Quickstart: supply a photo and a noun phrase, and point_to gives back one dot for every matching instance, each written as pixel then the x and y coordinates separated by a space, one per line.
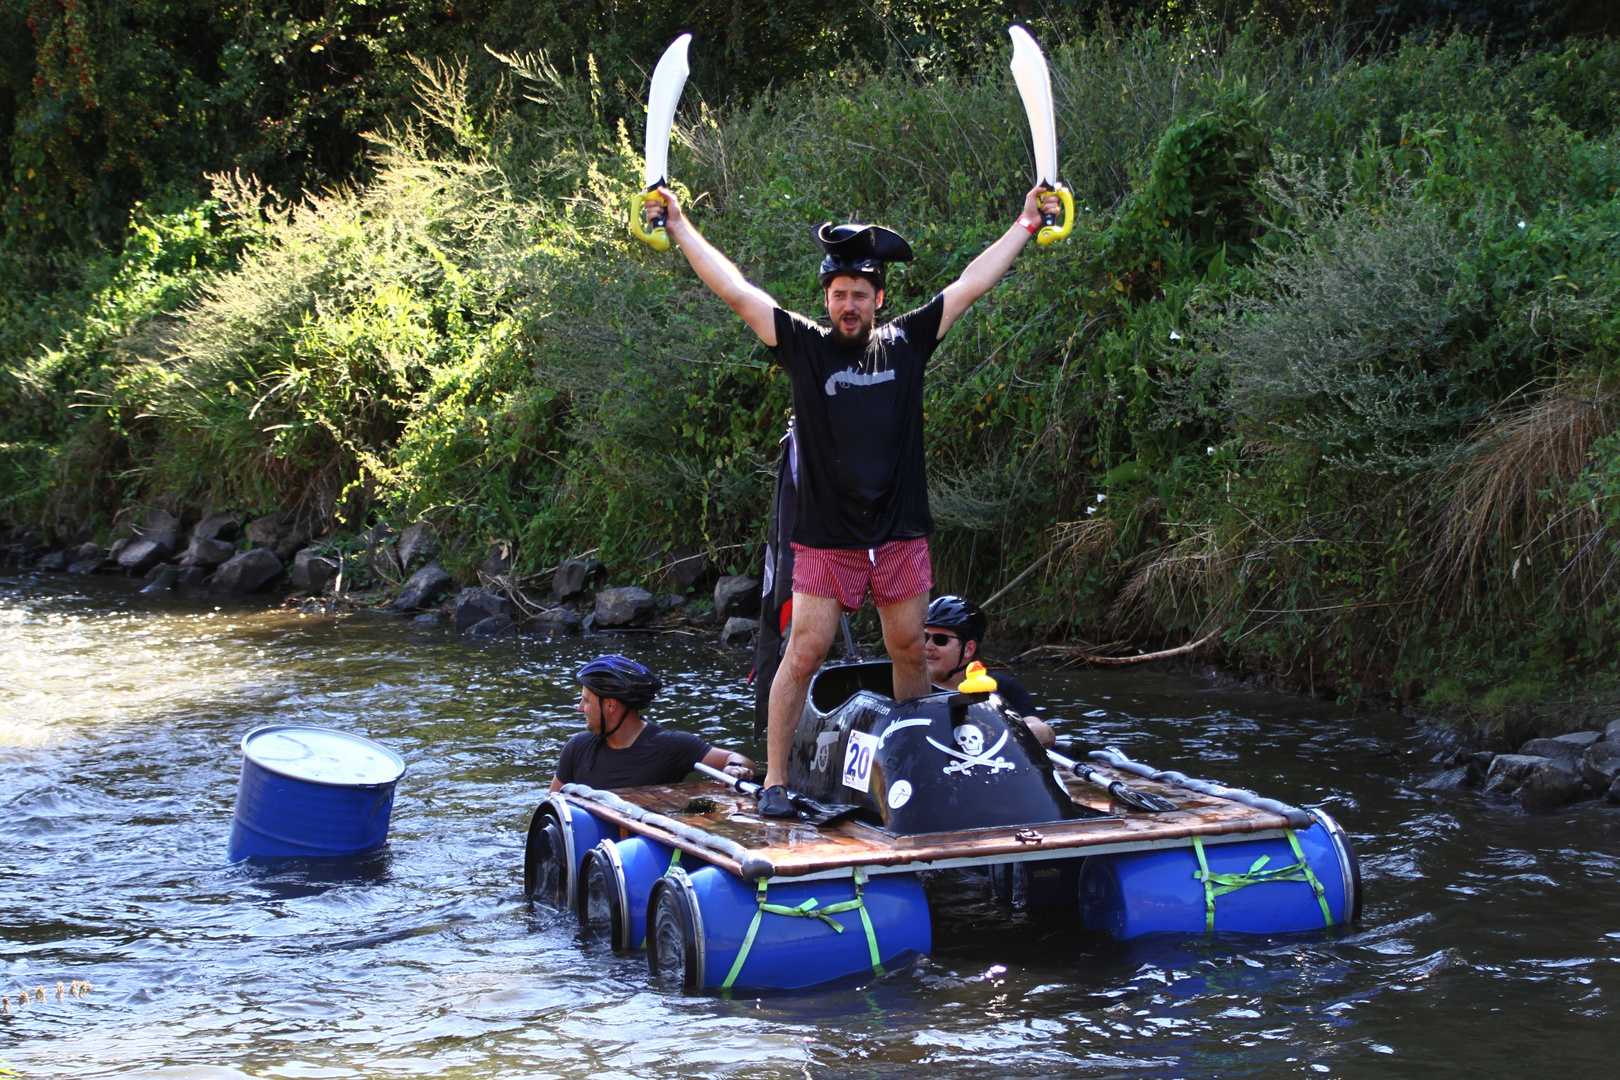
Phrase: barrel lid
pixel 322 756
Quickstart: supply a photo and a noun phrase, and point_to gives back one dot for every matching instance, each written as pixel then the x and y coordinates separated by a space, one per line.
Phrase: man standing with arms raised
pixel 863 519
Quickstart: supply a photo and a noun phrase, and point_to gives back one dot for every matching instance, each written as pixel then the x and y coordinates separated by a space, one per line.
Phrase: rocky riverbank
pixel 232 555
pixel 1541 774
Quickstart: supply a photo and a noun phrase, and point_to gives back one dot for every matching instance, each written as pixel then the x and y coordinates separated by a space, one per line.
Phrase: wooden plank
pixel 794 849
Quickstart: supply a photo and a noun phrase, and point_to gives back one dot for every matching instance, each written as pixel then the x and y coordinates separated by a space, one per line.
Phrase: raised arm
pixel 719 273
pixel 994 261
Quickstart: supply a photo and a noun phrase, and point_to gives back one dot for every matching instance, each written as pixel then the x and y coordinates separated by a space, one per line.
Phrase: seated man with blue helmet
pixel 618 749
pixel 951 637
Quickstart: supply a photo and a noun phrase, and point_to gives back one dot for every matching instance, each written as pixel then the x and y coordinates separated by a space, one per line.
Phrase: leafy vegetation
pixel 1328 364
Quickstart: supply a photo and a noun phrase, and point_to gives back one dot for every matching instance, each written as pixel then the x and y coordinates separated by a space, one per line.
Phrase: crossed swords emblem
pixel 965 762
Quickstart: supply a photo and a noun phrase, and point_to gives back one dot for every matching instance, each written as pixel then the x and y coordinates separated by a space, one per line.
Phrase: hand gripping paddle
pixel 1035 87
pixel 669 79
pixel 809 810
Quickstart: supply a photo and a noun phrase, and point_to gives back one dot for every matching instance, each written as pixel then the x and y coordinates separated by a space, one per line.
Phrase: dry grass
pixel 1508 502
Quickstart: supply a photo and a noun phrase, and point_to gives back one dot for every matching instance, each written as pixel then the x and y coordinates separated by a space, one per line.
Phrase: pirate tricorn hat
pixel 858 251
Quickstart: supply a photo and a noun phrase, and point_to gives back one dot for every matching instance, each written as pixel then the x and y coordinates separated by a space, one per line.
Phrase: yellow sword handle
pixel 658 236
pixel 1051 232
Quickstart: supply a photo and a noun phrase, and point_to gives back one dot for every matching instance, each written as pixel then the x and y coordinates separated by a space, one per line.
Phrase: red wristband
pixel 1033 229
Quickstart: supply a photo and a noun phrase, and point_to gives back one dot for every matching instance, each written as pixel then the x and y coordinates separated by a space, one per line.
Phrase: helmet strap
pixel 961 655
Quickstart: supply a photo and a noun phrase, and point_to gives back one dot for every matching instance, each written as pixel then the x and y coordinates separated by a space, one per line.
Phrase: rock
pixel 162 527
pixel 117 548
pixel 735 595
pixel 1508 771
pixel 553 622
pixel 268 531
pixel 192 575
pixel 1582 739
pixel 669 601
pixel 55 562
pixel 218 527
pixel 1448 780
pixel 292 543
pixel 739 631
pixel 208 553
pixel 704 619
pixel 1613 794
pixel 1611 733
pixel 312 572
pixel 494 626
pixel 427 618
pixel 416 542
pixel 85 566
pixel 1478 764
pixel 141 555
pixel 627 606
pixel 1567 754
pixel 497 561
pixel 380 555
pixel 1549 786
pixel 424 587
pixel 572 575
pixel 685 569
pixel 165 580
pixel 85 551
pixel 1601 764
pixel 246 572
pixel 474 605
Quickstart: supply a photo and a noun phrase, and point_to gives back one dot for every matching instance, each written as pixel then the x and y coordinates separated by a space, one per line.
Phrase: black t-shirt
pixel 659 755
pixel 859 426
pixel 1012 692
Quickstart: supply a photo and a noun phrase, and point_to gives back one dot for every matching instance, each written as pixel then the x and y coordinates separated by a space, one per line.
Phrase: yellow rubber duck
pixel 976 680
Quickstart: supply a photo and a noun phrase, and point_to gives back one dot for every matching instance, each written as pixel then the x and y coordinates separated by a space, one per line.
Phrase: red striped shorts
pixel 894 571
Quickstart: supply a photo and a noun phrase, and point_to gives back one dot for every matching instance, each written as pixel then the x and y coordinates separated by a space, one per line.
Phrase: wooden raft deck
pixel 795 850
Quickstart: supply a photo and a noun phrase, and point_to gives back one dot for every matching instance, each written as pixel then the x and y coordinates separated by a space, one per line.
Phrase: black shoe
pixel 774 803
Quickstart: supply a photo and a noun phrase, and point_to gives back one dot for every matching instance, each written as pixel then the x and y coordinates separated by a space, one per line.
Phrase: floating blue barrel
pixel 1254 886
pixel 615 881
pixel 560 836
pixel 807 933
pixel 309 791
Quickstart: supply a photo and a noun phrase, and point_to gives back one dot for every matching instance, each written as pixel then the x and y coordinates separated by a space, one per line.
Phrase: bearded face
pixel 852 304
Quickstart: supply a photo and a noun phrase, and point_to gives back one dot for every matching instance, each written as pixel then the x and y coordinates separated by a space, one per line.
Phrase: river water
pixel 1490 944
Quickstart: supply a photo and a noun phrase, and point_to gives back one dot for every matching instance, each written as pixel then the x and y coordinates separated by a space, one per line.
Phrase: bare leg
pixel 903 638
pixel 815 620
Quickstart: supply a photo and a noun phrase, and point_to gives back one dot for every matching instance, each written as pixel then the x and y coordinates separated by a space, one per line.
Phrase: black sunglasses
pixel 941 640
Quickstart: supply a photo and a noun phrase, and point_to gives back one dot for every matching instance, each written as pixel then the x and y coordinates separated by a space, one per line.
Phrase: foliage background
pixel 1327 367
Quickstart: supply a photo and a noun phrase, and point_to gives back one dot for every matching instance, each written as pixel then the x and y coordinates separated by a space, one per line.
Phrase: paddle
pixel 810 811
pixel 1145 801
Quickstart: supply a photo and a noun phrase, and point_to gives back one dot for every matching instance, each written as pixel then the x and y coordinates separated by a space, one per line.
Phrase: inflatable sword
pixel 669 79
pixel 1035 87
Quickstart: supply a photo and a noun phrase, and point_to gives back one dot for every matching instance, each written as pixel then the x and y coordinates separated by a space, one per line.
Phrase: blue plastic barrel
pixel 1150 892
pixel 309 791
pixel 560 836
pixel 697 923
pixel 615 881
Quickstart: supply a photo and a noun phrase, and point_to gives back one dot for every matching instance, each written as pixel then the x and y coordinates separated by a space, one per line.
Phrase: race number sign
pixel 858 757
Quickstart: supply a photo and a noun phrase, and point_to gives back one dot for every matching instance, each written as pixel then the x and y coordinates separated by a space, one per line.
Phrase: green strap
pixel 1316 886
pixel 674 859
pixel 1257 874
pixel 809 909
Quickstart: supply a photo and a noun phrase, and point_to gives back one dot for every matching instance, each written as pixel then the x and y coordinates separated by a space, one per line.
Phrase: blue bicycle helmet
pixel 955 613
pixel 621 678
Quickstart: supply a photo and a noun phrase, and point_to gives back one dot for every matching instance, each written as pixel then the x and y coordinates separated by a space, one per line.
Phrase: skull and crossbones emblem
pixel 971 740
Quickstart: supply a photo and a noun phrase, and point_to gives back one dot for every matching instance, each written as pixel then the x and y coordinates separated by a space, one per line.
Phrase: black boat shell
pixel 942 762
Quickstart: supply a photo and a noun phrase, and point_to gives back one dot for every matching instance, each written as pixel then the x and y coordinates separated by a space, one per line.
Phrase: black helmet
pixel 622 678
pixel 963 616
pixel 858 251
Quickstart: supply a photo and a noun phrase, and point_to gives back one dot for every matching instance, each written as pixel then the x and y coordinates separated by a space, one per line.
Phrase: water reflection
pixel 1490 936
